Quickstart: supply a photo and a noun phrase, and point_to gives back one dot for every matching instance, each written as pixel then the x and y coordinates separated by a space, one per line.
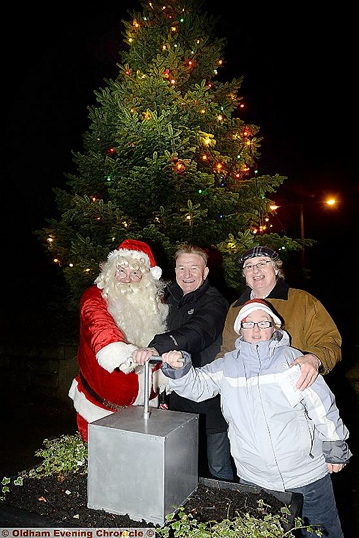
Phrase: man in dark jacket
pixel 195 321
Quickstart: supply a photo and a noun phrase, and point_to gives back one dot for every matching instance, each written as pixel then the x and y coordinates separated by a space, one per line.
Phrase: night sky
pixel 299 86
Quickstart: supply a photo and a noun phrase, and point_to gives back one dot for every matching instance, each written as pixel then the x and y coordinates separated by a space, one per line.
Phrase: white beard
pixel 138 310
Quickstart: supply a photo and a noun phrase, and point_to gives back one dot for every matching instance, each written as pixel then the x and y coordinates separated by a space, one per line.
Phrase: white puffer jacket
pixel 281 438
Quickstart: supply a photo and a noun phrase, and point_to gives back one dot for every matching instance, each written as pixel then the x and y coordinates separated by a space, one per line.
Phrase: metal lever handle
pixel 146 406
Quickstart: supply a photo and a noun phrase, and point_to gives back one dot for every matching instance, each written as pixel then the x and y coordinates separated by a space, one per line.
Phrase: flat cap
pixel 258 251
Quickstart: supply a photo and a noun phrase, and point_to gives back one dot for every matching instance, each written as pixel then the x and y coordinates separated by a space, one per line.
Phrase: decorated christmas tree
pixel 167 158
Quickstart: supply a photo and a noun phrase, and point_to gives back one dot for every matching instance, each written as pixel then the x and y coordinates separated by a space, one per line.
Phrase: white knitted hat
pixel 251 306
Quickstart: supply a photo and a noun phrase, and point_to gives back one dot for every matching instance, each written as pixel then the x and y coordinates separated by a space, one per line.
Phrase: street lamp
pixel 329 201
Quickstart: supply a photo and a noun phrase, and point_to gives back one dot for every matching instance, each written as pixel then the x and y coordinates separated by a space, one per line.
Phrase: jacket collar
pixel 177 293
pixel 280 291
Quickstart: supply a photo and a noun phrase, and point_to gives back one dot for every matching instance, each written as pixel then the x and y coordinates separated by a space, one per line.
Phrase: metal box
pixel 143 467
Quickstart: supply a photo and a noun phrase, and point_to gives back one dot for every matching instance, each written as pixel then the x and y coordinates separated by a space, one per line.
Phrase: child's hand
pixel 173 358
pixel 335 467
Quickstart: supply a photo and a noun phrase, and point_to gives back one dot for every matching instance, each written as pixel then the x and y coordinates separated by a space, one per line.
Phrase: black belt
pixel 102 401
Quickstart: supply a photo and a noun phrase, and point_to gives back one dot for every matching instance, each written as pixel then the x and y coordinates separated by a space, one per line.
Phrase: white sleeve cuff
pixel 112 356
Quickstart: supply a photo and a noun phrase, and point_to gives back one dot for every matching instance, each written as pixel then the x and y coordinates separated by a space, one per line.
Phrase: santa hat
pixel 138 250
pixel 251 306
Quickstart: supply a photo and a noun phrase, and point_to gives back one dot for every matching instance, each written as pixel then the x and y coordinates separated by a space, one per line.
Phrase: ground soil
pixel 62 502
pixel 26 422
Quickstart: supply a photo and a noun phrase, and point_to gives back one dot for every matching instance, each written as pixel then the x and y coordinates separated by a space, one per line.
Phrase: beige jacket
pixel 311 328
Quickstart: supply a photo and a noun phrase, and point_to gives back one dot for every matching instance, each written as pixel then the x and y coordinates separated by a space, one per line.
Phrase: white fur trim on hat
pixel 156 272
pixel 137 255
pixel 251 306
pixel 137 250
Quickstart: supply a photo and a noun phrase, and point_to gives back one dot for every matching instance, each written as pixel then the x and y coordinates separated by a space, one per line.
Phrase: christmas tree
pixel 167 158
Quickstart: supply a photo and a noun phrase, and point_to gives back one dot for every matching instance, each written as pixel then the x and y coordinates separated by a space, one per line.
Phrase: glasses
pixel 260 324
pixel 122 274
pixel 259 265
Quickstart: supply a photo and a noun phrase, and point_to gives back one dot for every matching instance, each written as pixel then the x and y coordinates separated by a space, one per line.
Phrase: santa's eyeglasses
pixel 123 274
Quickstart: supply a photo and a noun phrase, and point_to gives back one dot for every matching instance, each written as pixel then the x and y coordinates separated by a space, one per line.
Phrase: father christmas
pixel 121 312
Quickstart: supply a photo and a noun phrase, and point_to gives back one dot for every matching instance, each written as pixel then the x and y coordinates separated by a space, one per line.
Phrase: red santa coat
pixel 102 351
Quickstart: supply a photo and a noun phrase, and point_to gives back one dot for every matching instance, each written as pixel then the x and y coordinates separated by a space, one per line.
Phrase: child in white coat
pixel 281 438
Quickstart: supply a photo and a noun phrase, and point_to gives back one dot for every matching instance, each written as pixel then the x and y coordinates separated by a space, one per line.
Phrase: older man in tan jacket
pixel 311 328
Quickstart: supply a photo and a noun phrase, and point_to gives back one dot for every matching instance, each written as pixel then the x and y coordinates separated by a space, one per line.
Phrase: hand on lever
pixel 173 358
pixel 142 355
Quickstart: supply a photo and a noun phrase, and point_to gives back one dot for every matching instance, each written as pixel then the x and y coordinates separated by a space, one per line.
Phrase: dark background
pixel 299 87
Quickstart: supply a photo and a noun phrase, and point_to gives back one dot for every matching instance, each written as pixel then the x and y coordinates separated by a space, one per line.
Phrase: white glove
pixel 128 366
